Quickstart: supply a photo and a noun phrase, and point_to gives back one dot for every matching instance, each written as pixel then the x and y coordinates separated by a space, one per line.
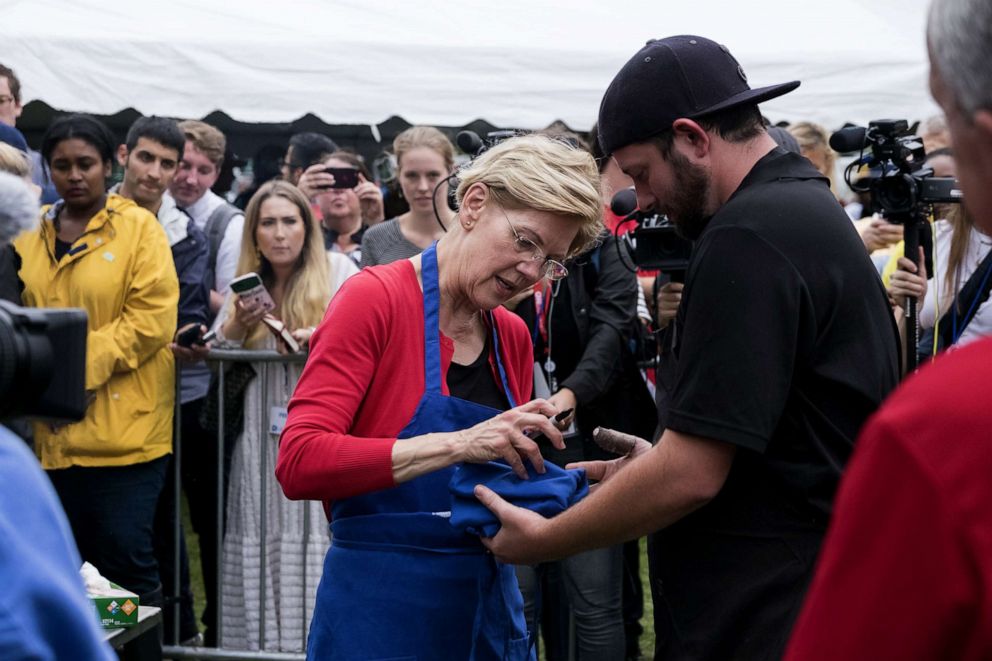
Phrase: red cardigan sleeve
pixel 362 382
pixel 318 458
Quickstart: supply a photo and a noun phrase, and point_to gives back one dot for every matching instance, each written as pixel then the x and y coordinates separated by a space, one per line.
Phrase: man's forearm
pixel 676 477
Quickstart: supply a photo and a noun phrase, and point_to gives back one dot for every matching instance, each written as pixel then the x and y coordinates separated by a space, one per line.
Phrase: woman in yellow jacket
pixel 110 257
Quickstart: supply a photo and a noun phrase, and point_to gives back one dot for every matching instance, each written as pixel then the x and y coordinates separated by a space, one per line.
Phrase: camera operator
pixel 906 569
pixel 47 615
pixel 782 355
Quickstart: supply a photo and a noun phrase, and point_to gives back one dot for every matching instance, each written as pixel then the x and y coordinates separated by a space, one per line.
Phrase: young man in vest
pixel 220 221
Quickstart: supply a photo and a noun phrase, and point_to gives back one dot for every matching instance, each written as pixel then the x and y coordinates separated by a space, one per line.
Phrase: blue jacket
pixel 45 613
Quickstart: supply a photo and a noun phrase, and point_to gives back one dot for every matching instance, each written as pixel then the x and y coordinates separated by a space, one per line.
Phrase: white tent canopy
pixel 513 63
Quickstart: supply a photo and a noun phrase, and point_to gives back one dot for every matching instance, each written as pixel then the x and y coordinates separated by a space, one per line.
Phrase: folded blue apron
pixel 548 493
pixel 399 581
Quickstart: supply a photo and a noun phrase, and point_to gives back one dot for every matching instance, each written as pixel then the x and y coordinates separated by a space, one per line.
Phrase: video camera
pixel 42 363
pixel 654 243
pixel 903 190
pixel 901 185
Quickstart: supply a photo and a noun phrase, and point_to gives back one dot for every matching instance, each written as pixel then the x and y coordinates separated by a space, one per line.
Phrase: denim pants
pixel 592 584
pixel 111 509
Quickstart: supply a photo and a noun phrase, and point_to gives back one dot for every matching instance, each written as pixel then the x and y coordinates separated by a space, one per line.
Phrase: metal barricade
pixel 262 362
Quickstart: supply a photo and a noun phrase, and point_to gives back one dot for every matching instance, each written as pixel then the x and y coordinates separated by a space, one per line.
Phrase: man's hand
pixel 519 540
pixel 193 353
pixel 669 298
pixel 630 447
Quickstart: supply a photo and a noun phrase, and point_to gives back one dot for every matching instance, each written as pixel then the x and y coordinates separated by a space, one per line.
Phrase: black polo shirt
pixel 787 344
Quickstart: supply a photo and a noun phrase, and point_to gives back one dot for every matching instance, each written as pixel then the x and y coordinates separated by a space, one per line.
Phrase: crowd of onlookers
pixel 152 261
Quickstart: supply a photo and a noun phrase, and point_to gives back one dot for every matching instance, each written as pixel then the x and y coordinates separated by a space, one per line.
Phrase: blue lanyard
pixel 955 334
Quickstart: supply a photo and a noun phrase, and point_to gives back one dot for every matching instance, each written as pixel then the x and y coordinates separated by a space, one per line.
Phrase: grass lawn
pixel 196 578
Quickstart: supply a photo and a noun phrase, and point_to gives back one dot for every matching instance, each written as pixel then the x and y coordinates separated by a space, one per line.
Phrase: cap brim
pixel 750 96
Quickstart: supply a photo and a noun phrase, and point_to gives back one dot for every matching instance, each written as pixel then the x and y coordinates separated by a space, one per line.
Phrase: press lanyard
pixel 955 333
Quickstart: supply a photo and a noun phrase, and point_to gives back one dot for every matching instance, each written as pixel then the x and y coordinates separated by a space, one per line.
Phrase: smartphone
pixel 252 292
pixel 189 337
pixel 343 177
pixel 282 333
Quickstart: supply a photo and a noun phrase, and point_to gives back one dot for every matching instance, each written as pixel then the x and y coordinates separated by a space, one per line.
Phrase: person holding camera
pixel 283 246
pixel 782 354
pixel 107 255
pixel 416 368
pixel 47 614
pixel 348 200
pixel 424 158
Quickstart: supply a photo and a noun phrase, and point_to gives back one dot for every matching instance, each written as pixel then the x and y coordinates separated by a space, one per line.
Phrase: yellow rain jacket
pixel 121 272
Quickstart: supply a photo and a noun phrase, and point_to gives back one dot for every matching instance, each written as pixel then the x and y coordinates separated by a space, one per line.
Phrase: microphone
pixel 624 202
pixel 851 138
pixel 469 142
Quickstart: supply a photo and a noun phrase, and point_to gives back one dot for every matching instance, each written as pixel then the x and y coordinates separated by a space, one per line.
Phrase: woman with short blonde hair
pixel 418 368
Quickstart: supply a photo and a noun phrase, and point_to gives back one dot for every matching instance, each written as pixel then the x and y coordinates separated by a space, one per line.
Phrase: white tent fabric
pixel 518 63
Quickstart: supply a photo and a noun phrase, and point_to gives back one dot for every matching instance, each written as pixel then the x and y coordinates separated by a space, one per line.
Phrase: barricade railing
pixel 262 362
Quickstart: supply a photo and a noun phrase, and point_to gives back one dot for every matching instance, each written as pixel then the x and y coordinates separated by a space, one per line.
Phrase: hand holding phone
pixel 252 293
pixel 194 335
pixel 343 177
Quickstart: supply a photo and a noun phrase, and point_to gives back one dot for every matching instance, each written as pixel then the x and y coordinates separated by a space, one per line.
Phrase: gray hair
pixel 18 207
pixel 960 37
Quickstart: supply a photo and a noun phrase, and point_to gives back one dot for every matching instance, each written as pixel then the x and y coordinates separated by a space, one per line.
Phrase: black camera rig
pixel 654 242
pixel 903 190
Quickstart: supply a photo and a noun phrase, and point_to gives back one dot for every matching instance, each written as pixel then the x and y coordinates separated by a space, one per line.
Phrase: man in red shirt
pixel 906 569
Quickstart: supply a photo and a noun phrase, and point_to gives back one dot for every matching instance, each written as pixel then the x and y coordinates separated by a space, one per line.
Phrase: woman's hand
pixel 370 199
pixel 909 280
pixel 303 335
pixel 245 318
pixel 668 300
pixel 878 233
pixel 315 180
pixel 503 437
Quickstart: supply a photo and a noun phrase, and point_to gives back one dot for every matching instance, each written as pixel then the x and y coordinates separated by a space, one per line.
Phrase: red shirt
pixel 363 381
pixel 906 569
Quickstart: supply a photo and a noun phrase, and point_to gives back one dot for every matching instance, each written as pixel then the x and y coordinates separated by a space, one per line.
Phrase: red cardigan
pixel 363 381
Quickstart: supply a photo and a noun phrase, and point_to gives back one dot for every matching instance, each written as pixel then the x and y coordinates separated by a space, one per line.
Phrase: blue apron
pixel 399 581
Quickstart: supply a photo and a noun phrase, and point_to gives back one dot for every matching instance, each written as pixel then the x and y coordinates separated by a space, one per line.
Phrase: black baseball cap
pixel 682 76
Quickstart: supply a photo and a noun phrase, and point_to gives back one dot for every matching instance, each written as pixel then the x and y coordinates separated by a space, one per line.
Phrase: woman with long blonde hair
pixel 282 243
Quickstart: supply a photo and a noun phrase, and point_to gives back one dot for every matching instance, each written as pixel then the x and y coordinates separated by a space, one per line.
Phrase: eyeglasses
pixel 553 270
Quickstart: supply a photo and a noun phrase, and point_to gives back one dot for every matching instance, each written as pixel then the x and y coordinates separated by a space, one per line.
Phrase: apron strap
pixel 432 303
pixel 432 332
